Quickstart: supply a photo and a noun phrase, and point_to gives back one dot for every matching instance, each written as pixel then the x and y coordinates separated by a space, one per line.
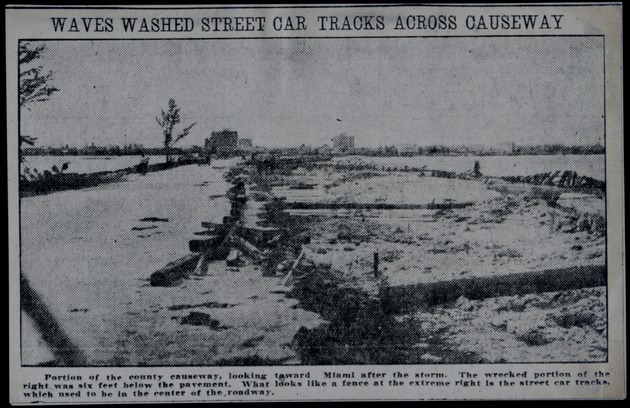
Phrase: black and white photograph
pixel 301 201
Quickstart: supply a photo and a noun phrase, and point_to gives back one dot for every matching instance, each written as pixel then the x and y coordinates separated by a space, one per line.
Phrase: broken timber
pixel 410 297
pixel 248 248
pixel 215 227
pixel 258 234
pixel 233 258
pixel 203 245
pixel 297 205
pixel 216 246
pixel 175 271
pixel 202 265
pixel 289 276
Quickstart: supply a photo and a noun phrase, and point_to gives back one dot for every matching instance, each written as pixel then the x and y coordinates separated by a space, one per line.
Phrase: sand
pixel 89 256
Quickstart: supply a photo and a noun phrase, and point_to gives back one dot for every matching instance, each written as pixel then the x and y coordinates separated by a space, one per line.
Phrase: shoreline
pixel 50 183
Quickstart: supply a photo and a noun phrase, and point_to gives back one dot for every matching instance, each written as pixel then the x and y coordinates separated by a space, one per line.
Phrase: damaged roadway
pixel 535 246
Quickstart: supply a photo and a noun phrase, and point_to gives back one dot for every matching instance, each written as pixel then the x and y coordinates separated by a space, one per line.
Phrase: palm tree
pixel 167 122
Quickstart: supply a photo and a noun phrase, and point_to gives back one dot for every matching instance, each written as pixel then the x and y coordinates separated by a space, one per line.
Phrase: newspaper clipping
pixel 315 202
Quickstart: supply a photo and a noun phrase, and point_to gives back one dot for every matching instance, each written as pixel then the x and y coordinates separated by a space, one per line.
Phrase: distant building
pixel 407 149
pixel 224 141
pixel 245 144
pixel 343 143
pixel 324 150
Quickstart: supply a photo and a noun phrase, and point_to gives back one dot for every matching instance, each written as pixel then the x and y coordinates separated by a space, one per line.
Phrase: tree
pixel 34 85
pixel 168 122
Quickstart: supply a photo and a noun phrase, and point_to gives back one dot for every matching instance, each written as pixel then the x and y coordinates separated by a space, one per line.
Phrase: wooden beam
pixel 174 272
pixel 203 245
pixel 288 277
pixel 410 297
pixel 248 248
pixel 296 205
pixel 233 257
pixel 202 265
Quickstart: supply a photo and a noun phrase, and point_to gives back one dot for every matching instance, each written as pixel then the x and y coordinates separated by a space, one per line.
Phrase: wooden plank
pixel 258 234
pixel 288 278
pixel 248 248
pixel 173 273
pixel 202 265
pixel 275 239
pixel 203 245
pixel 297 205
pixel 406 298
pixel 233 257
pixel 205 233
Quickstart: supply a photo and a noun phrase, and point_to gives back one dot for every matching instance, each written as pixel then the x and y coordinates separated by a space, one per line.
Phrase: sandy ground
pixel 89 256
pixel 551 327
pixel 500 234
pixel 592 165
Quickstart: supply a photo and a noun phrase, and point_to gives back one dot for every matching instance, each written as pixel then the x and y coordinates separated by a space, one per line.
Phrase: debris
pixel 202 245
pixel 205 233
pixel 311 205
pixel 248 248
pixel 234 258
pixel 430 358
pixel 288 278
pixel 302 186
pixel 144 228
pixel 534 337
pixel 175 271
pixel 253 342
pixel 218 228
pixel 216 305
pixel 202 265
pixel 284 266
pixel 202 319
pixel 154 219
pixel 258 234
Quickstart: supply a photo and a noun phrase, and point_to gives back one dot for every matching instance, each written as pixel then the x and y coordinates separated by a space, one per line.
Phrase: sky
pixel 289 92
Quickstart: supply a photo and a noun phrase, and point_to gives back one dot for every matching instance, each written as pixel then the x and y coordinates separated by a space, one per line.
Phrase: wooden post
pixel 202 265
pixel 287 279
pixel 376 273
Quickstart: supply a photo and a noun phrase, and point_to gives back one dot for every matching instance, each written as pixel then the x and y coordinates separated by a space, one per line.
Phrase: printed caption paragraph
pixel 229 385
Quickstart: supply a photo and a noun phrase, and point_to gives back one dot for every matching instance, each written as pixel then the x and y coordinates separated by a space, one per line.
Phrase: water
pixel 86 164
pixel 587 165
